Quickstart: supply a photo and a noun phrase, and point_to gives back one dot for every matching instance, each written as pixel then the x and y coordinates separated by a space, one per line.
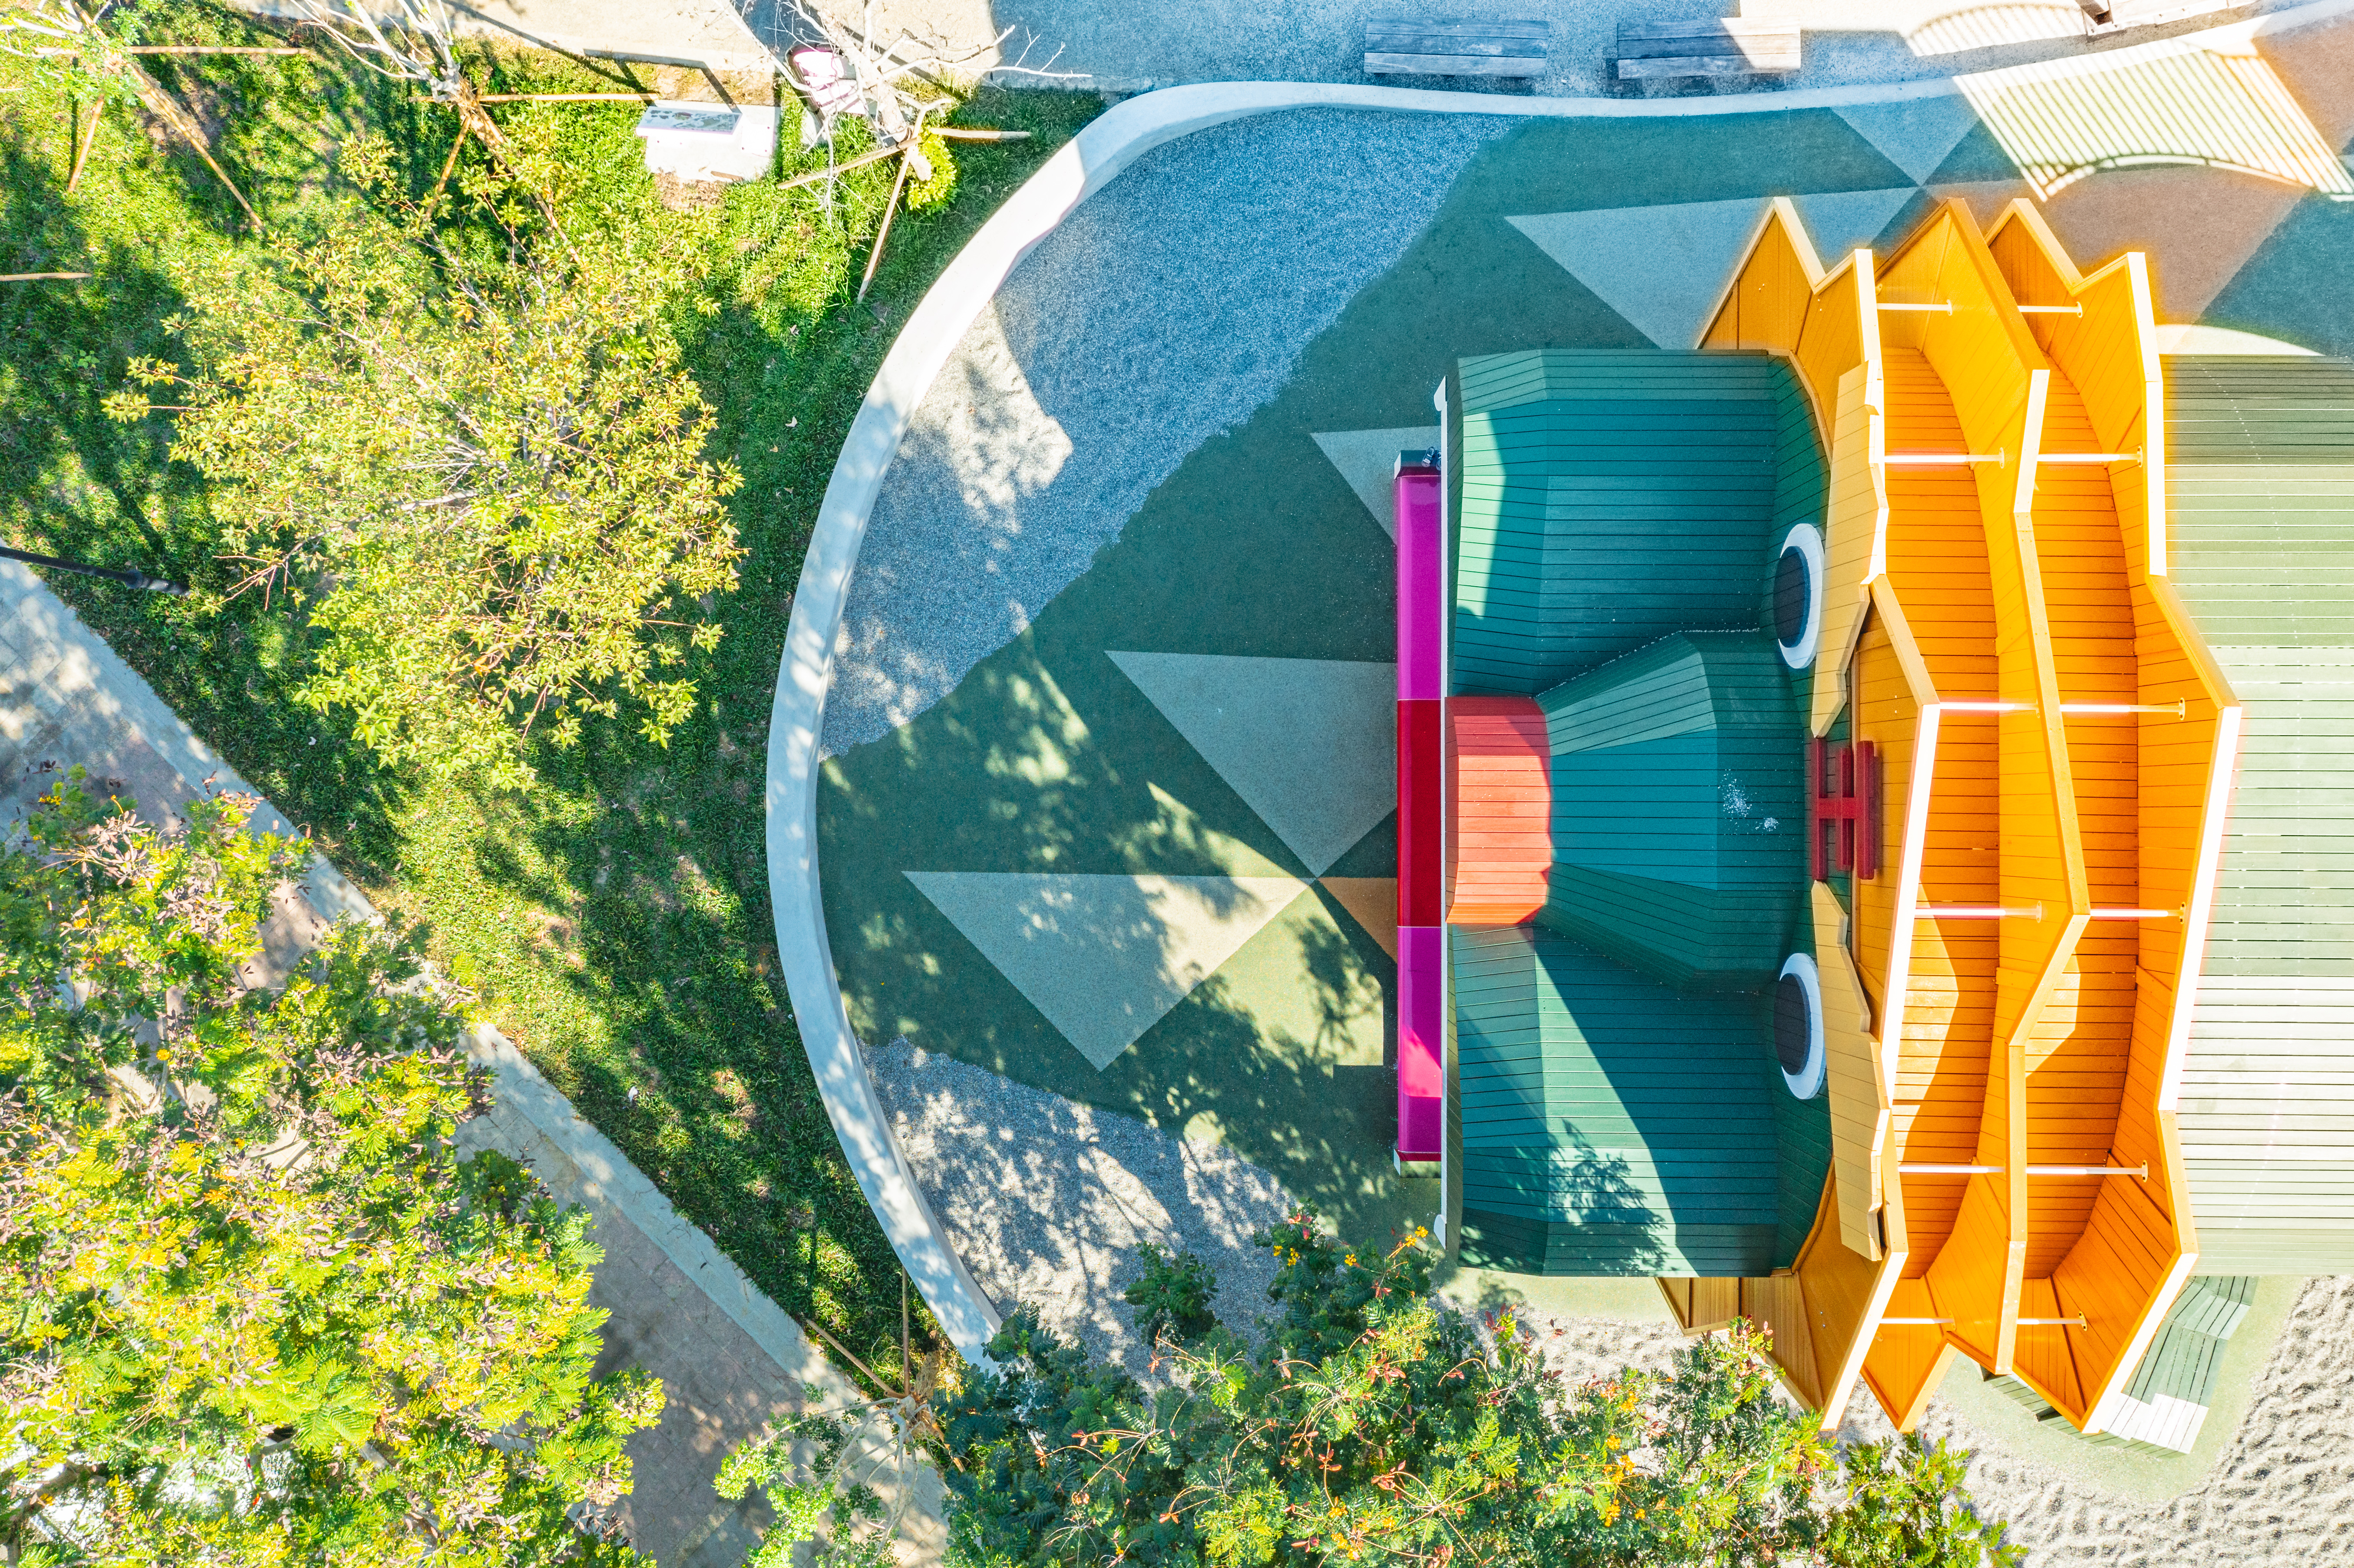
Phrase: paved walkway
pixel 1125 48
pixel 729 1357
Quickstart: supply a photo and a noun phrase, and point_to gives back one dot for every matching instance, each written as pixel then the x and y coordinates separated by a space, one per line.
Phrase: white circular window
pixel 1798 595
pixel 1798 1025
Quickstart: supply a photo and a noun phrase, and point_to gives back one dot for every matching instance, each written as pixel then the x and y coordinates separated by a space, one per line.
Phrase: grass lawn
pixel 614 919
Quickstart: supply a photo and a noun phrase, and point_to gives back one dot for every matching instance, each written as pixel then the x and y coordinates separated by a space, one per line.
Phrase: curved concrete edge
pixel 1083 166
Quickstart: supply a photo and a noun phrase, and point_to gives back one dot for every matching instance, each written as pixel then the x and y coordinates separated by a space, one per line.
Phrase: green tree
pixel 1371 1425
pixel 257 1309
pixel 471 450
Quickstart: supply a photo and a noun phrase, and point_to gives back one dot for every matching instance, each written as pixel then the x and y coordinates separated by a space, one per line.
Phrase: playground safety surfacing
pixel 1142 855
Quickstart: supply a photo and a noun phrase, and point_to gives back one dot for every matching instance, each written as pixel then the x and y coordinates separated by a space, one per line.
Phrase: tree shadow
pixel 77 484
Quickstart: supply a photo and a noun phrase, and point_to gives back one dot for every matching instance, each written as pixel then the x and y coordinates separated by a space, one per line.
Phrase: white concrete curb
pixel 1086 165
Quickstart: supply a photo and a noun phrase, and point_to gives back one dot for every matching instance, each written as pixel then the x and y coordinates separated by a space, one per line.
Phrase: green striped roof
pixel 1616 518
pixel 2260 497
pixel 1679 809
pixel 1604 499
pixel 1612 1125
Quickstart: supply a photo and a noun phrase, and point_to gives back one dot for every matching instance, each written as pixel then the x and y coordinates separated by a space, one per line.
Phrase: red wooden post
pixel 1842 809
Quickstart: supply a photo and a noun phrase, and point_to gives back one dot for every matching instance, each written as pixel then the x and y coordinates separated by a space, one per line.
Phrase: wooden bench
pixel 1716 48
pixel 1502 47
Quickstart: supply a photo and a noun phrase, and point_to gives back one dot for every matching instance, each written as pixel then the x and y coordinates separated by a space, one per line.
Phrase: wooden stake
pixel 906 162
pixel 570 97
pixel 975 134
pixel 447 165
pixel 208 49
pixel 83 141
pixel 31 277
pixel 860 161
pixel 168 109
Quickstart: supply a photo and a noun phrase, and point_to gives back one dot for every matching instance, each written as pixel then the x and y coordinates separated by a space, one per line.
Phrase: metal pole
pixel 129 578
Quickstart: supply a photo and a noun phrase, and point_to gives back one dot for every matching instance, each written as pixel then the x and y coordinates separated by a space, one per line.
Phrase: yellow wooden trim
pixel 1905 1397
pixel 1855 524
pixel 2153 419
pixel 1820 1290
pixel 1840 1386
pixel 1860 1100
pixel 1867 306
pixel 2023 212
pixel 1953 218
pixel 1700 1303
pixel 2040 947
pixel 1917 796
pixel 2125 1267
pixel 1901 641
pixel 1802 246
pixel 2178 1180
pixel 2100 1404
pixel 2102 1400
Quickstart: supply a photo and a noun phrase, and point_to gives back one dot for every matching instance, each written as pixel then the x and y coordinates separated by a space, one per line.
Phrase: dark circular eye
pixel 1798 1025
pixel 1792 1029
pixel 1790 592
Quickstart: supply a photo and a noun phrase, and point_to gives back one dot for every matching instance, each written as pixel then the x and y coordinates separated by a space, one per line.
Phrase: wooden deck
pixel 2055 746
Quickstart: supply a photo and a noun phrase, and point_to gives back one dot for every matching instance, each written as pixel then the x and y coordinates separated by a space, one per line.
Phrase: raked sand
pixel 1047 1200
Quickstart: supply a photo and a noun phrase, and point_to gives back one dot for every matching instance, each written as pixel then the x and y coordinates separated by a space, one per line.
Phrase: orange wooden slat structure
pixel 2057 746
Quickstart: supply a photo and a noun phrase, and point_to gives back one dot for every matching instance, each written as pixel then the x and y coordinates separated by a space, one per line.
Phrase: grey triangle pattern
pixel 1841 221
pixel 1916 134
pixel 1368 462
pixel 1105 957
pixel 1659 266
pixel 1311 745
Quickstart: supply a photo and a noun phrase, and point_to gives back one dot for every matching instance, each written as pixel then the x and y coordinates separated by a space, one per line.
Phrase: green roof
pixel 1617 517
pixel 1612 1125
pixel 2260 497
pixel 1604 499
pixel 1679 809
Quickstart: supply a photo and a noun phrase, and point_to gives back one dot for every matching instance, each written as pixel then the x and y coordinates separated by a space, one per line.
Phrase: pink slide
pixel 1421 665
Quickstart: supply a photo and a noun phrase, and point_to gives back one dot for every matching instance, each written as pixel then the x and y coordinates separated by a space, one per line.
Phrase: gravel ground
pixel 1214 261
pixel 1046 1200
